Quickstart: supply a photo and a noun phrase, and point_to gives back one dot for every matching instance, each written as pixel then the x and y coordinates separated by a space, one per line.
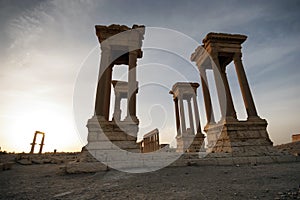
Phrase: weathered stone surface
pixel 46 160
pixel 24 162
pixel 56 161
pixel 292 148
pixel 85 167
pixel 37 161
pixel 248 138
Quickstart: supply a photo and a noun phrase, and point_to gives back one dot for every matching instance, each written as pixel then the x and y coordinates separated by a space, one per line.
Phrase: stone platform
pixel 190 143
pixel 110 135
pixel 240 138
pixel 144 162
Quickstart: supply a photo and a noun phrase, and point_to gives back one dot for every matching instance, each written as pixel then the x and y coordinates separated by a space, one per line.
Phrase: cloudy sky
pixel 49 57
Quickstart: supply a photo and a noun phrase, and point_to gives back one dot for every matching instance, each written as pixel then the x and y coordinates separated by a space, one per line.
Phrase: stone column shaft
pixel 131 95
pixel 227 108
pixel 103 84
pixel 117 110
pixel 244 85
pixel 207 97
pixel 33 143
pixel 182 117
pixel 197 117
pixel 107 92
pixel 191 119
pixel 177 117
pixel 42 144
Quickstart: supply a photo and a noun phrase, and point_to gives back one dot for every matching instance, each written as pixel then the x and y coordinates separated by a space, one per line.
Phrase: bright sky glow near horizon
pixel 44 44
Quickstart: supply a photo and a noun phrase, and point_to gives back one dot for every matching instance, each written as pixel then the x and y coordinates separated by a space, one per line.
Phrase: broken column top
pixel 187 89
pixel 104 32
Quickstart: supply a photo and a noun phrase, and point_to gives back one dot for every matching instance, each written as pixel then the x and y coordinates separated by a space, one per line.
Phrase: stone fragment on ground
pixel 84 167
pixel 24 162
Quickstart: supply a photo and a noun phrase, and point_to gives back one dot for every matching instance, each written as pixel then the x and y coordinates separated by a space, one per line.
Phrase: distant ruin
pixel 296 138
pixel 34 142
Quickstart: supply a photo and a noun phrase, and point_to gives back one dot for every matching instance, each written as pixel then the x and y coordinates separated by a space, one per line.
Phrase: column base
pixel 190 143
pixel 104 135
pixel 132 119
pixel 240 138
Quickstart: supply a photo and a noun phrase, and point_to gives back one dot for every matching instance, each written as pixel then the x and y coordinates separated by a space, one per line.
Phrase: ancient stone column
pixel 197 118
pixel 191 119
pixel 117 110
pixel 245 89
pixel 227 108
pixel 131 99
pixel 207 97
pixel 42 144
pixel 102 97
pixel 177 117
pixel 33 143
pixel 182 117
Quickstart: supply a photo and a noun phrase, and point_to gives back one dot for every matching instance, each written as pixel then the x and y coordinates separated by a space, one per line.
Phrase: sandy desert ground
pixel 46 181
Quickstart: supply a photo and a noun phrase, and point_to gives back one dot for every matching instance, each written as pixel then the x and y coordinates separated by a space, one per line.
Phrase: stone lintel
pixel 120 40
pixel 187 90
pixel 224 38
pixel 104 32
pixel 222 45
pixel 121 87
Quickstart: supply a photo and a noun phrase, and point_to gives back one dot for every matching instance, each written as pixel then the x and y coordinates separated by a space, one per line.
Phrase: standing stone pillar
pixel 42 144
pixel 207 97
pixel 33 143
pixel 197 117
pixel 245 89
pixel 117 110
pixel 191 119
pixel 227 108
pixel 177 117
pixel 131 108
pixel 231 137
pixel 182 117
pixel 102 96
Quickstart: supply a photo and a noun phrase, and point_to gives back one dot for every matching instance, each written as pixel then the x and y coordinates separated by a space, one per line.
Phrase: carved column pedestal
pixel 190 143
pixel 240 138
pixel 105 135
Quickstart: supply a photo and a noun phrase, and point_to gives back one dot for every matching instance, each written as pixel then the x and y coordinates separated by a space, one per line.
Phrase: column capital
pixel 179 96
pixel 134 52
pixel 237 55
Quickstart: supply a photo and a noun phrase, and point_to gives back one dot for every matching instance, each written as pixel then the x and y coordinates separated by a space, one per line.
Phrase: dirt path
pixel 244 182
